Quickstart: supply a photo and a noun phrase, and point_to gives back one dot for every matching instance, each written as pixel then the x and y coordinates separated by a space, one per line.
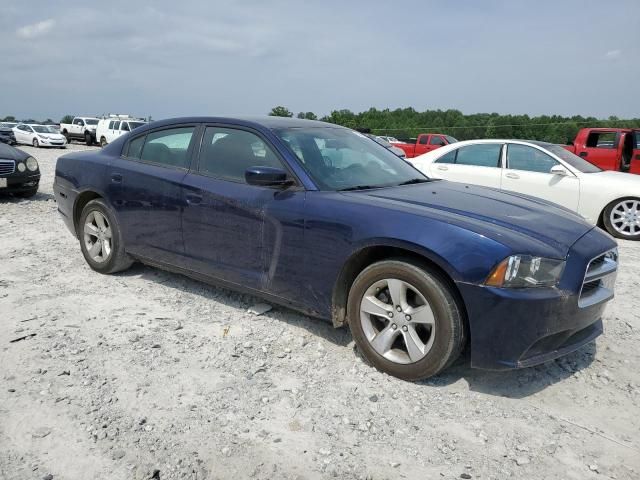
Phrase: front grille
pixel 599 279
pixel 7 167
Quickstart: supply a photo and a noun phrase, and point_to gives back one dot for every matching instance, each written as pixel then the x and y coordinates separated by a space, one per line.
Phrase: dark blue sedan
pixel 321 219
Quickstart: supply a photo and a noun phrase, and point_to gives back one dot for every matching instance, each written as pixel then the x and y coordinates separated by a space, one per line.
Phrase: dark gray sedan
pixel 19 172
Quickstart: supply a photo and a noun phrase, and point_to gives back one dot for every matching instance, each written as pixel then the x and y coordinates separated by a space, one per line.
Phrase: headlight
pixel 523 271
pixel 32 164
pixel 21 167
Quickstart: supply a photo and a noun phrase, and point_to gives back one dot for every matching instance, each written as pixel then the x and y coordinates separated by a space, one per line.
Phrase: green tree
pixel 9 118
pixel 280 111
pixel 307 115
pixel 67 119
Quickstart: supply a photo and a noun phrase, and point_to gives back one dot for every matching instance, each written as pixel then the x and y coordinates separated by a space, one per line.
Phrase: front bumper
pixel 515 328
pixel 52 143
pixel 21 183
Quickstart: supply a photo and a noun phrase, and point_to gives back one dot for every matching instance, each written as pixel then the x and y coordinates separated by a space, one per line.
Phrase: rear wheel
pixel 101 240
pixel 621 218
pixel 103 142
pixel 405 319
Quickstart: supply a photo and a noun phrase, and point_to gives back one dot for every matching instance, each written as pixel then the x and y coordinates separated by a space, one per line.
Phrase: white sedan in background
pixel 608 199
pixel 39 135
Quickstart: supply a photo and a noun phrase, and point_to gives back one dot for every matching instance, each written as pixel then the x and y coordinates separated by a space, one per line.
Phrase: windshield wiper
pixel 415 180
pixel 356 187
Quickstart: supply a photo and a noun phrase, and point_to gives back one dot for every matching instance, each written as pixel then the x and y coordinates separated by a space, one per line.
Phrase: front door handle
pixel 584 154
pixel 116 178
pixel 442 167
pixel 193 199
pixel 512 175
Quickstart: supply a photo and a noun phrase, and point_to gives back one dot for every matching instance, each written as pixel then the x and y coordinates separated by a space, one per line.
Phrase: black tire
pixel 449 324
pixel 103 142
pixel 27 193
pixel 35 143
pixel 118 259
pixel 67 136
pixel 88 139
pixel 608 225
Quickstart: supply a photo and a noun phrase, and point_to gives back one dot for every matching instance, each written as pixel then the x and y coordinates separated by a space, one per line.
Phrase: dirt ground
pixel 150 375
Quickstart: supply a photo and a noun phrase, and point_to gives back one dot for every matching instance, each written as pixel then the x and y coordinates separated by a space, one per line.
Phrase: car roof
pixel 265 121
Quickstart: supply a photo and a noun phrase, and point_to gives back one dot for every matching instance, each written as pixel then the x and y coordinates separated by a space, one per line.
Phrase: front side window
pixel 342 159
pixel 111 125
pixel 167 147
pixel 79 122
pixel 436 140
pixel 228 153
pixel 116 125
pixel 479 155
pixel 528 159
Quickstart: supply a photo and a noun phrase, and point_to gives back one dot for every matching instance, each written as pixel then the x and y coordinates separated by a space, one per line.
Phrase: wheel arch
pixel 81 200
pixel 601 217
pixel 372 253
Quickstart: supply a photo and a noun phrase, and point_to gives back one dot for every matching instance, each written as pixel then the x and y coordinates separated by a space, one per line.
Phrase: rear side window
pixel 480 155
pixel 601 140
pixel 448 157
pixel 529 159
pixel 228 153
pixel 135 147
pixel 116 125
pixel 111 125
pixel 423 140
pixel 168 147
pixel 124 127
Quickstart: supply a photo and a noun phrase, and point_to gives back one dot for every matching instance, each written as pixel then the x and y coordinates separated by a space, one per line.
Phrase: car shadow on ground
pixel 515 384
pixel 38 197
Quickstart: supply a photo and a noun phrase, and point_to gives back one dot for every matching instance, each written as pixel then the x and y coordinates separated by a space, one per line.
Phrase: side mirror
pixel 559 170
pixel 267 177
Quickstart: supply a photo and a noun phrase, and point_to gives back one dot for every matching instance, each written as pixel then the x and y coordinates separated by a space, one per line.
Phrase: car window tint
pixel 116 125
pixel 435 140
pixel 423 140
pixel 449 157
pixel 228 153
pixel 124 127
pixel 480 155
pixel 135 147
pixel 111 125
pixel 602 140
pixel 524 157
pixel 168 147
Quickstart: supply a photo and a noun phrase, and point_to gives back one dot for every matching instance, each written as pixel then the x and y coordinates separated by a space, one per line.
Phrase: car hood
pixel 502 216
pixel 9 153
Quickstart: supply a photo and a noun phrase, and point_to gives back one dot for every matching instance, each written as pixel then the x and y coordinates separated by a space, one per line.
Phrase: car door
pixel 244 234
pixel 78 126
pixel 601 149
pixel 146 191
pixel 422 144
pixel 528 171
pixel 477 164
pixel 114 132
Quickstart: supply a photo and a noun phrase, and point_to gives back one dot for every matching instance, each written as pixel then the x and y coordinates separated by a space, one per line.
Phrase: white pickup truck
pixel 81 128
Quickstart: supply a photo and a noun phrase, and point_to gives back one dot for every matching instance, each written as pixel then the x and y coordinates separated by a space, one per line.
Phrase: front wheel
pixel 35 143
pixel 88 139
pixel 405 319
pixel 621 218
pixel 101 240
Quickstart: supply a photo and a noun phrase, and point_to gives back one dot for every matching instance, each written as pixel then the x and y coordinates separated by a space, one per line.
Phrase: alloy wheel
pixel 97 237
pixel 625 217
pixel 397 321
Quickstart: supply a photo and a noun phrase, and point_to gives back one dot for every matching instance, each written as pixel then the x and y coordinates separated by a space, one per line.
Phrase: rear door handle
pixel 584 154
pixel 512 175
pixel 193 199
pixel 442 167
pixel 116 178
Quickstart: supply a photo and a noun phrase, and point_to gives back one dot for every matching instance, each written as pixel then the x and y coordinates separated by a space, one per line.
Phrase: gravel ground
pixel 150 375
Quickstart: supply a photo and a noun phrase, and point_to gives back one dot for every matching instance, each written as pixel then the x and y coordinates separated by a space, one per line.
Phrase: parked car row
pixel 103 130
pixel 321 219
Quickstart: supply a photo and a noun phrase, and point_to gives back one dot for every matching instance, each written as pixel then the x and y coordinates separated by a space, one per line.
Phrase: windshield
pixel 451 139
pixel 342 159
pixel 135 125
pixel 43 129
pixel 573 160
pixel 91 121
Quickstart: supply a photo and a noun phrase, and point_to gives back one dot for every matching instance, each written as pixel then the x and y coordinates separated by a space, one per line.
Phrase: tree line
pixel 407 123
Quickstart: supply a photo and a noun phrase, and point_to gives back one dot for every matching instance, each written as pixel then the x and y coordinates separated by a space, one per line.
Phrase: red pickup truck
pixel 609 148
pixel 425 143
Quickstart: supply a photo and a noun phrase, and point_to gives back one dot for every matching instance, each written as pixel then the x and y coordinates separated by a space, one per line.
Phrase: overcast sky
pixel 168 58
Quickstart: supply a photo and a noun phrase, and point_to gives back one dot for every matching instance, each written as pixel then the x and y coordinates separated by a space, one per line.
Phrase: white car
pixel 111 128
pixel 605 198
pixel 39 135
